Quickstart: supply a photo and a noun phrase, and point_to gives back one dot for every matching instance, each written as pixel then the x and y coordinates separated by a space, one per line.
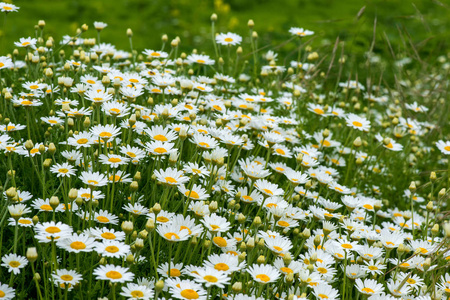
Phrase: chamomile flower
pixel 77 243
pixel 200 59
pixel 368 286
pixel 112 248
pixel 26 43
pixel 81 140
pixel 113 273
pixel 170 176
pixel 136 291
pixel 63 170
pixel 113 160
pixel 93 179
pixel 228 39
pixel 443 146
pixel 66 278
pixel 225 262
pixel 268 189
pixel 216 223
pixel 300 32
pixel 105 234
pixel 211 277
pixel 14 263
pixel 357 122
pixel 104 217
pixel 263 273
pixel 6 292
pixel 186 290
pixel 195 193
pixel 51 230
pixel 173 232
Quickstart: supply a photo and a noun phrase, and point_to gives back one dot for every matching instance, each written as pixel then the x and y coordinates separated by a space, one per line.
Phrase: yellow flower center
pixel 46 207
pixel 283 223
pixel 192 194
pixel 160 150
pixel 108 235
pixel 52 229
pixel 228 40
pixel 368 290
pixel 171 236
pixel 347 246
pixel 287 270
pixel 66 277
pixel 170 180
pixel 319 111
pixel 174 272
pixel 160 137
pixel 162 219
pixel 78 245
pixel 105 134
pixel 137 294
pixel 210 278
pixel 113 275
pixel 357 124
pixel 263 277
pixel 189 294
pixel 268 191
pixel 280 151
pixel 221 267
pixel 82 141
pixel 279 249
pixel 26 102
pixel 112 249
pixel 14 263
pixel 114 160
pixel 220 241
pixel 102 219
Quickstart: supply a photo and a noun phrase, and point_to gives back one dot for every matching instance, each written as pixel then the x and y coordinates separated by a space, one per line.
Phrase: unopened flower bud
pixel 261 260
pixel 237 287
pixel 357 142
pixel 430 206
pixel 412 186
pixel 159 286
pixel 127 227
pixel 446 227
pixel 150 225
pixel 32 254
pixel 433 176
pixel 435 229
pixel 54 202
pixel 156 208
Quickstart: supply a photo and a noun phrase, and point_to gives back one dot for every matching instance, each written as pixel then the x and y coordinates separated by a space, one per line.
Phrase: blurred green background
pixel 425 21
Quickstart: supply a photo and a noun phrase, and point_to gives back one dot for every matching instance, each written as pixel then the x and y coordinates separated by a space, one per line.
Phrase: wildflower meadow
pixel 238 171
